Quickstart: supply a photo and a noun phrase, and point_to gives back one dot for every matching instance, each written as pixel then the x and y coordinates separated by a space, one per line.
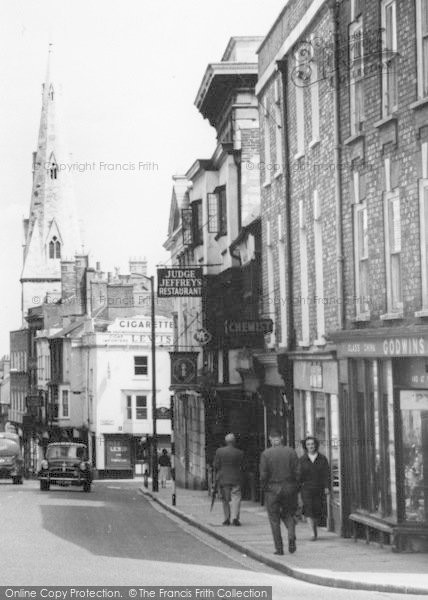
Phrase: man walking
pixel 228 465
pixel 279 478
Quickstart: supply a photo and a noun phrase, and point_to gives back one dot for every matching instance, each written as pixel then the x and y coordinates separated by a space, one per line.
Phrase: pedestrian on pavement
pixel 279 475
pixel 229 466
pixel 314 485
pixel 164 467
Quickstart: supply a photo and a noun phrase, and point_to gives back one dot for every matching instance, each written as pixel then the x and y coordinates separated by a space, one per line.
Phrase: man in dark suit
pixel 279 475
pixel 228 464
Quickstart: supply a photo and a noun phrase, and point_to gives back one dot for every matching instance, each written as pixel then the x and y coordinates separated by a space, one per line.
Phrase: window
pixel 423 204
pixel 304 281
pixel 319 275
pixel 129 408
pixel 393 251
pixel 355 9
pixel 300 108
pixel 141 407
pixel 389 71
pixel 54 248
pixel 361 258
pixel 222 211
pixel 197 230
pixel 65 408
pixel 422 46
pixel 356 75
pixel 315 102
pixel 278 127
pixel 266 146
pixel 212 213
pixel 53 167
pixel 140 365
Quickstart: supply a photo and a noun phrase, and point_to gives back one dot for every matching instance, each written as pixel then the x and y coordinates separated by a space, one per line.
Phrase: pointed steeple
pixel 52 228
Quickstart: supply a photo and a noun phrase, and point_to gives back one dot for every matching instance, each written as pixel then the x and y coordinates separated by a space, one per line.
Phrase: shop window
pixel 414 420
pixel 140 365
pixel 141 407
pixel 335 446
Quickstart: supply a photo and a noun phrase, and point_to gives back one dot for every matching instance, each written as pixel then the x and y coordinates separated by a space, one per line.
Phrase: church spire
pixel 51 230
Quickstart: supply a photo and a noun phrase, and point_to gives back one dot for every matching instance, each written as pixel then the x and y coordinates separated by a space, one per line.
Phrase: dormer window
pixel 54 248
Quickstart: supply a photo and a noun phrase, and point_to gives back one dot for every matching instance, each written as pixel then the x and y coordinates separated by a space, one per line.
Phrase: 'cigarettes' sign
pixel 179 282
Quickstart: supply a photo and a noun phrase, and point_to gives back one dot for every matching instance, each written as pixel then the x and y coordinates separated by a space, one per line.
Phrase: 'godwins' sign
pixel 179 282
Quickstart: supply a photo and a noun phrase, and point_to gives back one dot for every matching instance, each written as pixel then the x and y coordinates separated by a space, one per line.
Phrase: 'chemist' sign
pixel 183 283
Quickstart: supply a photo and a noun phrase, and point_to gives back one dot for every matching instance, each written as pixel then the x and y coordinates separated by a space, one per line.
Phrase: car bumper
pixel 65 480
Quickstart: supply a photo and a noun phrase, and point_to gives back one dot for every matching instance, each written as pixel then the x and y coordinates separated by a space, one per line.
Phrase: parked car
pixel 11 461
pixel 65 464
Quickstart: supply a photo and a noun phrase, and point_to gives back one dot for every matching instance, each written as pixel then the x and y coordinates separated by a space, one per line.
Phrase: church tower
pixel 51 233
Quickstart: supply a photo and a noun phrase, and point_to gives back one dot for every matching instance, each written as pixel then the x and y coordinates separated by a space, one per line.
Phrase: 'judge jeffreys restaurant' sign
pixel 180 282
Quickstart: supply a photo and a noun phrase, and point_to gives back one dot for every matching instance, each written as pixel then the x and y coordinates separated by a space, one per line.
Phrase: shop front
pixel 384 390
pixel 316 412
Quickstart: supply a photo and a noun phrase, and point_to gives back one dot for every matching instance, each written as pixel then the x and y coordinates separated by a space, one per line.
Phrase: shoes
pixel 227 522
pixel 292 546
pixel 236 522
pixel 279 552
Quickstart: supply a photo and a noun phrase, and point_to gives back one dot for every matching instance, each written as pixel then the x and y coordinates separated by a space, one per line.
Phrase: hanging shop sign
pixel 202 336
pixel 181 283
pixel 184 368
pixel 163 412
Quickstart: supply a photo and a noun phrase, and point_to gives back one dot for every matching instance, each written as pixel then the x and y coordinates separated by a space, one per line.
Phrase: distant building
pixel 4 390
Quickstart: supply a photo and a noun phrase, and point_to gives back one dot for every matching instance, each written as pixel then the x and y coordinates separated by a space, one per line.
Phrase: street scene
pixel 214 334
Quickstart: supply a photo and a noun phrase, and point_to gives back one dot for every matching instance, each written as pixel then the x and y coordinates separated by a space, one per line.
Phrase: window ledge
pixel 299 155
pixel 361 317
pixel 278 174
pixel 392 118
pixel 419 103
pixel 422 313
pixel 393 316
pixel 219 235
pixel 320 342
pixel 266 183
pixel 304 343
pixel 352 139
pixel 314 143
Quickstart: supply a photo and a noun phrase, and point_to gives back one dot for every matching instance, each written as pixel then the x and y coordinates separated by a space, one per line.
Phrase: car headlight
pixel 83 466
pixel 44 464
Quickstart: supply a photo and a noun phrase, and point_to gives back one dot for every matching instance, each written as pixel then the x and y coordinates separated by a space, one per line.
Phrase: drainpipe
pixel 282 66
pixel 334 8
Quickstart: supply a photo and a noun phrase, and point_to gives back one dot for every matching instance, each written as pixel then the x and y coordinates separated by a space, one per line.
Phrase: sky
pixel 129 73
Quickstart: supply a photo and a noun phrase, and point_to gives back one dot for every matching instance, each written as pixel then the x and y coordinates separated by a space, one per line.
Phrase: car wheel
pixel 87 487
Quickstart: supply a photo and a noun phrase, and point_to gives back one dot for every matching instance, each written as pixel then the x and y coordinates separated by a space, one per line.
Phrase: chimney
pixel 138 266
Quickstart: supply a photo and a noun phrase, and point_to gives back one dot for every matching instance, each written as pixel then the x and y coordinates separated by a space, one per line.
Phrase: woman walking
pixel 314 484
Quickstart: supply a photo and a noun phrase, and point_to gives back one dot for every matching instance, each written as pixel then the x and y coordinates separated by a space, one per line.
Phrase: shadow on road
pixel 117 521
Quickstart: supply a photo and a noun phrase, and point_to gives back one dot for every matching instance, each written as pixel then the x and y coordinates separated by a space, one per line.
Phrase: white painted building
pixel 118 388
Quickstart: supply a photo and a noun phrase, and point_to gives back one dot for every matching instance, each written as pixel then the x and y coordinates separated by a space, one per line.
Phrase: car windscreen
pixel 66 452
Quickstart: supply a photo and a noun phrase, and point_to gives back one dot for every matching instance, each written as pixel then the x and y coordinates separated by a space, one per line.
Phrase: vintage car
pixel 65 464
pixel 11 461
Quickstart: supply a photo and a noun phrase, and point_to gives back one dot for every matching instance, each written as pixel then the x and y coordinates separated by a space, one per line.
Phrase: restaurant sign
pixel 180 283
pixel 387 347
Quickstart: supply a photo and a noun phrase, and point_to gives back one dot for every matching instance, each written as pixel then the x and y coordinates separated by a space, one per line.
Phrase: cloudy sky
pixel 129 71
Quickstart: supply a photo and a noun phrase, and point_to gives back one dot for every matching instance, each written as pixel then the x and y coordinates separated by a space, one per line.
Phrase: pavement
pixel 330 561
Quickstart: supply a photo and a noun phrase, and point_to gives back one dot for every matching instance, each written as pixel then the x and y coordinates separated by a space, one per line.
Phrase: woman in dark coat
pixel 314 484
